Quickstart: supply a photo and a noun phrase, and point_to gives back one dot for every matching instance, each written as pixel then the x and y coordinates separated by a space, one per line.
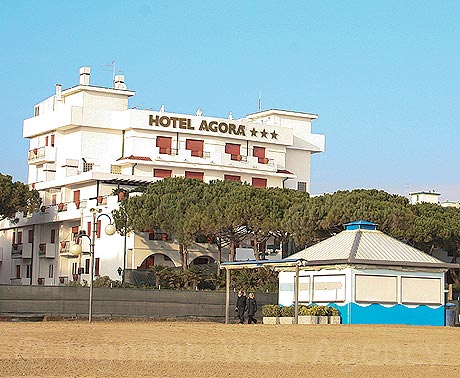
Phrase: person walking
pixel 252 308
pixel 241 305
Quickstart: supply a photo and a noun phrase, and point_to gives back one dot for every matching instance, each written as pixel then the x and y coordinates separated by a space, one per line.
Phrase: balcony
pixel 16 251
pixel 42 155
pixel 47 250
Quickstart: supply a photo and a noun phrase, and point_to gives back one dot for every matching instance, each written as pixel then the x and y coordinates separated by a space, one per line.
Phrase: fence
pixel 66 301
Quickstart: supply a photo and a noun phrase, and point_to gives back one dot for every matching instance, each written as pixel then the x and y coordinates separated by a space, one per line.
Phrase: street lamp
pixel 76 250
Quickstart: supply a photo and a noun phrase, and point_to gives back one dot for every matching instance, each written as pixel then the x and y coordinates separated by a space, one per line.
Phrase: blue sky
pixel 383 76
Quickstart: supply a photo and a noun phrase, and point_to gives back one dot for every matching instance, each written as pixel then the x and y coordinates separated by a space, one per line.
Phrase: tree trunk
pixel 255 248
pixel 183 254
pixel 232 251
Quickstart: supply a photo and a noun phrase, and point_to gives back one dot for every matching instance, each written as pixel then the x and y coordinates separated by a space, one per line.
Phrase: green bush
pixel 303 310
pixel 271 310
pixel 288 310
pixel 322 311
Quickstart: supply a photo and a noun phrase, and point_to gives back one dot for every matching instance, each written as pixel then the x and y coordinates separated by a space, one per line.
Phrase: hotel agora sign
pixel 209 126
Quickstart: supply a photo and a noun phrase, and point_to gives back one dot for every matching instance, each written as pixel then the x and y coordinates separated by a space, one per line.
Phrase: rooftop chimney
pixel 119 82
pixel 58 92
pixel 84 75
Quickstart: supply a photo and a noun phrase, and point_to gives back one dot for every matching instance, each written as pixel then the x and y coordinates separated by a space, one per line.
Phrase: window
pixel 54 199
pixel 87 262
pixel 52 140
pixel 53 237
pixel 259 152
pixel 36 111
pixel 97 262
pixel 164 144
pixel 28 271
pixel 46 140
pixel 19 237
pixel 302 186
pixel 14 238
pixel 87 167
pixel 74 268
pixel 51 271
pixel 233 150
pixel 162 173
pixel 115 169
pixel 196 146
pixel 259 182
pixel 194 175
pixel 31 236
pixel 88 229
pixel 232 178
pixel 18 271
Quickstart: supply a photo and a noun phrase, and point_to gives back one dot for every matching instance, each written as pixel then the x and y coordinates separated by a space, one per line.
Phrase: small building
pixel 424 196
pixel 370 277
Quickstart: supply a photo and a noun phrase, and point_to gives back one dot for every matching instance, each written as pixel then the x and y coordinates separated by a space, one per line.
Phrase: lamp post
pixel 76 250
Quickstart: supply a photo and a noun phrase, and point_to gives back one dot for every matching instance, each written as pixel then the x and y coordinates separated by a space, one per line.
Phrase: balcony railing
pixel 41 154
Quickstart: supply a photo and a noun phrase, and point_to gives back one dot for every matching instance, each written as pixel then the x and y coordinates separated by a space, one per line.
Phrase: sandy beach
pixel 187 349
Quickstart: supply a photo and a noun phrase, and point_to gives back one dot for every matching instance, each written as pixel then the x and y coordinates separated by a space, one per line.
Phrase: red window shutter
pixel 232 178
pixel 52 140
pixel 87 266
pixel 18 271
pixel 98 230
pixel 97 263
pixel 164 144
pixel 194 175
pixel 88 229
pixel 233 150
pixel 54 199
pixel 53 237
pixel 31 236
pixel 259 182
pixel 46 140
pixel 162 173
pixel 19 237
pixel 196 146
pixel 259 152
pixel 76 198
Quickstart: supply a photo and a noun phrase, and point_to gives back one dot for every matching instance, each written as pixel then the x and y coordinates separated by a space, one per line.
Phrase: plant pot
pixel 307 319
pixel 99 199
pixel 323 319
pixel 63 244
pixel 75 277
pixel 61 280
pixel 270 320
pixel 335 319
pixel 286 320
pixel 164 237
pixel 61 206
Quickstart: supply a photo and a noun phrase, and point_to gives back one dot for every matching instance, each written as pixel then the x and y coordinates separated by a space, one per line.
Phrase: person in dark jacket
pixel 241 305
pixel 252 308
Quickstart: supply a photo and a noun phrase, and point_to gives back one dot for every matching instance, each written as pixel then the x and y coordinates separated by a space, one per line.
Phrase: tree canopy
pixel 16 197
pixel 230 211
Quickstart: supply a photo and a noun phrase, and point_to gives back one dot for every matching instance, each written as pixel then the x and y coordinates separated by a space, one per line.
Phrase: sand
pixel 188 349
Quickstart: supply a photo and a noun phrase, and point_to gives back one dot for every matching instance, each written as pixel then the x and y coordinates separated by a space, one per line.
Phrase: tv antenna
pixel 114 71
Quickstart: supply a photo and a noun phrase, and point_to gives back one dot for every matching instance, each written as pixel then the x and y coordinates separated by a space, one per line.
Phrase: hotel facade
pixel 87 146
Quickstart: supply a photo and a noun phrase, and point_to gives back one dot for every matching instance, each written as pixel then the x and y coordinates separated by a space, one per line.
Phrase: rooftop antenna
pixel 259 101
pixel 114 71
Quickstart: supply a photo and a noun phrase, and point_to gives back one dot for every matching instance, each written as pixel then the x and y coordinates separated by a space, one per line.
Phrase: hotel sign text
pixel 186 123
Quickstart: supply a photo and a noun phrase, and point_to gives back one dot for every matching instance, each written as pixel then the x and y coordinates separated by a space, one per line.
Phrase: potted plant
pixel 99 199
pixel 306 316
pixel 271 314
pixel 287 314
pixel 63 244
pixel 164 236
pixel 61 207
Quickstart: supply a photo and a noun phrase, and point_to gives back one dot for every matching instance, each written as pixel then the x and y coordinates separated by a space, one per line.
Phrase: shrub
pixel 303 310
pixel 288 311
pixel 271 310
pixel 322 311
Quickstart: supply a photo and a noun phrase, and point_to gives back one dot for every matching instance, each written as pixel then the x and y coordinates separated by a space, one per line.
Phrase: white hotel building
pixel 86 143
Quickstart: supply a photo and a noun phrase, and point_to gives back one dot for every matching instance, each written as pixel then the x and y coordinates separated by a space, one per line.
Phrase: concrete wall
pixel 69 301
